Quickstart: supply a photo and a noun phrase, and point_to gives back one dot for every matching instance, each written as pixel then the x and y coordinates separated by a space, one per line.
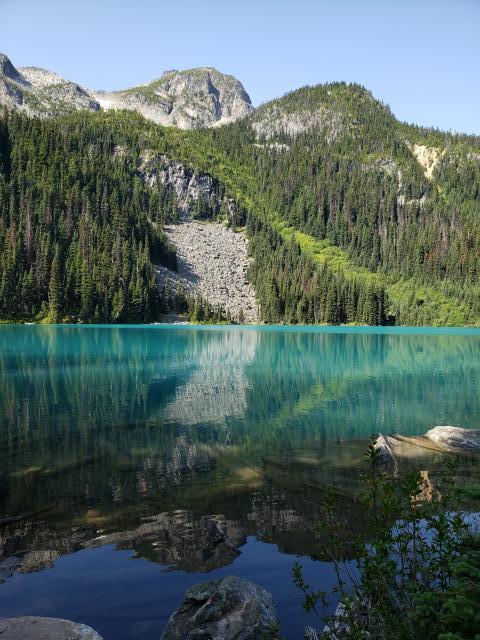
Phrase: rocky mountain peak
pixel 41 77
pixel 334 108
pixel 199 97
pixel 7 69
pixel 192 98
pixel 39 92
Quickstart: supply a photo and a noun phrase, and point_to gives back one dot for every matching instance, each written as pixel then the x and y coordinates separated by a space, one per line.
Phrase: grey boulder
pixel 36 628
pixel 230 608
pixel 455 438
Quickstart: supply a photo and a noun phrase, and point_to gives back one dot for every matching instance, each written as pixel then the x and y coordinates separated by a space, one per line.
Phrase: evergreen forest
pixel 352 216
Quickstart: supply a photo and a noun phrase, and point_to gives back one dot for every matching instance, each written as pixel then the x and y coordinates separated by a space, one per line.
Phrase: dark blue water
pixel 141 460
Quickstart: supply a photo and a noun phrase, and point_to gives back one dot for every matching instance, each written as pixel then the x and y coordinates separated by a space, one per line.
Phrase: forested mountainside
pixel 76 237
pixel 351 216
pixel 393 206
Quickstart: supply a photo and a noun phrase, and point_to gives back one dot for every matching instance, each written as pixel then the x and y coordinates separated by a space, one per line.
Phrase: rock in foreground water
pixel 230 608
pixel 455 438
pixel 36 628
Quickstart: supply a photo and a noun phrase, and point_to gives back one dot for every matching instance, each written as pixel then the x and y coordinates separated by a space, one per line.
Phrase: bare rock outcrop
pixel 427 157
pixel 272 120
pixel 201 97
pixel 189 186
pixel 441 439
pixel 230 608
pixel 212 260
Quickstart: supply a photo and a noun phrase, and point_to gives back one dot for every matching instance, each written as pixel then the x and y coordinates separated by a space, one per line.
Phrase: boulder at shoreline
pixel 230 608
pixel 38 628
pixel 455 438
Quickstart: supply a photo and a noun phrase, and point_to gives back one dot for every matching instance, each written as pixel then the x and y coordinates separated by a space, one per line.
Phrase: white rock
pixel 455 438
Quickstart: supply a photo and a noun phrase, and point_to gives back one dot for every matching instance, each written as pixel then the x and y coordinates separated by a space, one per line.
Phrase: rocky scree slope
pixel 212 259
pixel 212 263
pixel 188 99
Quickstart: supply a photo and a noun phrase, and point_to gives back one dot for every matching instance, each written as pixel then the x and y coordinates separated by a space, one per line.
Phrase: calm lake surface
pixel 141 460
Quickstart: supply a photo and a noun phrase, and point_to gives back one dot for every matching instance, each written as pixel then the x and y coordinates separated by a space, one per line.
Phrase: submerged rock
pixel 230 608
pixel 455 438
pixel 36 628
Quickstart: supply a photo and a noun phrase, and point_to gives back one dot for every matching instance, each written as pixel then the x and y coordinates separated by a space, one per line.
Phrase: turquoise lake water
pixel 138 460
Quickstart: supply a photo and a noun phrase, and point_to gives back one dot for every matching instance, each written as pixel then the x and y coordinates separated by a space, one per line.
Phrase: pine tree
pixel 54 289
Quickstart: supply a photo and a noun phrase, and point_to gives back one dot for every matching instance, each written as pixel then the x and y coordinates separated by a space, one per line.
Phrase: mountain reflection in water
pixel 182 443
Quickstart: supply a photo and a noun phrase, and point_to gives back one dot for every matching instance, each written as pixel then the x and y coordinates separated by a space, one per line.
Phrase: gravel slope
pixel 212 262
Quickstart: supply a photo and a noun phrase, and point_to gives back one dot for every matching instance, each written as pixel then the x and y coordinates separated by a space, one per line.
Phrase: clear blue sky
pixel 422 57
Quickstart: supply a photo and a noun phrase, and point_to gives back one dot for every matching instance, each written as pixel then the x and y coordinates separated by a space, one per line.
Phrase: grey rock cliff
pixel 230 608
pixel 271 120
pixel 201 97
pixel 189 186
